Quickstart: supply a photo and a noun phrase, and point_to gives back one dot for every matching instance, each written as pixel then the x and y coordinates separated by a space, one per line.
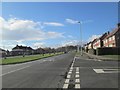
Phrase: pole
pixel 78 48
pixel 81 38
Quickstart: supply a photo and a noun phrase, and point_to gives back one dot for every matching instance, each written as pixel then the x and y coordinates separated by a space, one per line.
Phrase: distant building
pixel 2 53
pixel 39 51
pixel 22 50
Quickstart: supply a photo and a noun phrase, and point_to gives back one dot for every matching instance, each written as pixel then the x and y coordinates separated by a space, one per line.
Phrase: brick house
pixel 90 46
pixel 98 42
pixel 113 39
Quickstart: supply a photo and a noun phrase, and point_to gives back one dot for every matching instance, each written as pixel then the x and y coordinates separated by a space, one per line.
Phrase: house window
pixel 110 39
pixel 113 37
pixel 106 40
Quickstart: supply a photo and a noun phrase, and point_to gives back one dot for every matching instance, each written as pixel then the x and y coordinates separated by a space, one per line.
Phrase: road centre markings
pixel 77 86
pixel 65 86
pixel 67 80
pixel 77 80
pixel 77 77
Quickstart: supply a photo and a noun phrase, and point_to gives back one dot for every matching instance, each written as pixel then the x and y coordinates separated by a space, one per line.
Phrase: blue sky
pixel 58 18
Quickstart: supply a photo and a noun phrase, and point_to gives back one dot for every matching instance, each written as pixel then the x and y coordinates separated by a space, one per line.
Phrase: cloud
pixel 71 21
pixel 53 24
pixel 93 37
pixel 70 42
pixel 21 30
pixel 39 44
pixel 9 44
pixel 70 36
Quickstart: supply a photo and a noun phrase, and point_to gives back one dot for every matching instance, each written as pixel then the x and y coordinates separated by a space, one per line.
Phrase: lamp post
pixel 80 39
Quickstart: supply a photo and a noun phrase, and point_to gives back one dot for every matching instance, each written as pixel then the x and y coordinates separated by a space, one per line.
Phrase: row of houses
pixel 24 50
pixel 108 39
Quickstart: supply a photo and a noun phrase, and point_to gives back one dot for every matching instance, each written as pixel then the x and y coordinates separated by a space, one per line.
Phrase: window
pixel 110 39
pixel 113 37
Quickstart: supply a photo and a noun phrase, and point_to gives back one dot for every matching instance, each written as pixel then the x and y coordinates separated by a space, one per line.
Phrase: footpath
pixel 90 56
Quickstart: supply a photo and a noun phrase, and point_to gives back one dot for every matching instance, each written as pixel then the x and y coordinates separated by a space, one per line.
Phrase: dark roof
pixel 22 47
pixel 104 36
pixel 2 49
pixel 95 40
pixel 113 33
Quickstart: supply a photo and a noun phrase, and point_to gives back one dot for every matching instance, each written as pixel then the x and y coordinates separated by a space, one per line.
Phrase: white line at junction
pixel 14 70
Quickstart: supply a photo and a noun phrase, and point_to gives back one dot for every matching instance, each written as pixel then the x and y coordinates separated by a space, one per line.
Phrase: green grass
pixel 21 59
pixel 115 57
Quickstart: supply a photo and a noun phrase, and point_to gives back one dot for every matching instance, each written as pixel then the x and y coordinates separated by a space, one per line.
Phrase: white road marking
pixel 98 70
pixel 77 69
pixel 77 76
pixel 14 65
pixel 65 86
pixel 69 72
pixel 106 70
pixel 71 68
pixel 68 76
pixel 77 86
pixel 77 80
pixel 77 72
pixel 14 70
pixel 67 80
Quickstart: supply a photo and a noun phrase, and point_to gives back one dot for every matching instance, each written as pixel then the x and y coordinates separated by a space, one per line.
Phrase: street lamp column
pixel 81 38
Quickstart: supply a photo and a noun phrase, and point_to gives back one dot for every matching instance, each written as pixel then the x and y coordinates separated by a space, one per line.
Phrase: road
pixel 62 71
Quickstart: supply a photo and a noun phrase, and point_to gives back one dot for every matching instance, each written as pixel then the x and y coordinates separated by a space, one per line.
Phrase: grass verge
pixel 15 60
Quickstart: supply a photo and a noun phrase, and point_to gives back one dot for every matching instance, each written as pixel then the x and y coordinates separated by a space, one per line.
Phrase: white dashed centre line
pixel 65 86
pixel 77 81
pixel 71 68
pixel 68 76
pixel 77 86
pixel 77 76
pixel 77 72
pixel 69 72
pixel 67 80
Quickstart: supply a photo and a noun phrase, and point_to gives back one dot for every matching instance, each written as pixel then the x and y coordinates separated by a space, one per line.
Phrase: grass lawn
pixel 21 59
pixel 116 57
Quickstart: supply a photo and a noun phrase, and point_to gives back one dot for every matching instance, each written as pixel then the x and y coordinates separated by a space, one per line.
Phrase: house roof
pixel 22 47
pixel 2 49
pixel 112 33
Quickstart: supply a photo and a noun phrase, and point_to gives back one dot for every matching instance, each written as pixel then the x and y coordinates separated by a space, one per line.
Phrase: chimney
pixel 108 32
pixel 118 24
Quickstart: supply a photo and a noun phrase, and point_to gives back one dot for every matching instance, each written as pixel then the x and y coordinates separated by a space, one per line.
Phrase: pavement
pixel 99 57
pixel 65 71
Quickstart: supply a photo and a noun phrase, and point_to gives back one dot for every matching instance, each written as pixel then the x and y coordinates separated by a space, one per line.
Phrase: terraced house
pixel 109 41
pixel 113 38
pixel 98 42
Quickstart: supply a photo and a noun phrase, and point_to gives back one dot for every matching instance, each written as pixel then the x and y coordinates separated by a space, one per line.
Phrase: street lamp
pixel 80 38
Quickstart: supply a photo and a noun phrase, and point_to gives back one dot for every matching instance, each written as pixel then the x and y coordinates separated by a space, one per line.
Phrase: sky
pixel 53 24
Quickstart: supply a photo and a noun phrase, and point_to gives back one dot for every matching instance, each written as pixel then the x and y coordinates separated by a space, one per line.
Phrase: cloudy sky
pixel 55 24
